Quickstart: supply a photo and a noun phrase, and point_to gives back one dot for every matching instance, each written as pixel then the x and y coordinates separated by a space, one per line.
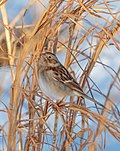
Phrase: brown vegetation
pixel 81 30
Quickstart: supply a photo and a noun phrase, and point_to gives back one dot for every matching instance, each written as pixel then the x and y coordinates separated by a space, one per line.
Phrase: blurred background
pixel 85 37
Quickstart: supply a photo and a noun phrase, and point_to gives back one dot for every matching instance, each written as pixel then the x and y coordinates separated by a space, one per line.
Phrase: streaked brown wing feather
pixel 62 75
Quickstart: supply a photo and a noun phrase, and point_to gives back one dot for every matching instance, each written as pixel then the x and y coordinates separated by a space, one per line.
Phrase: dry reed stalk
pixel 2 2
pixel 89 69
pixel 55 131
pixel 8 39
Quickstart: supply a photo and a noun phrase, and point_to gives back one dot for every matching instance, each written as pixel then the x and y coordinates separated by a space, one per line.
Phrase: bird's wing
pixel 63 76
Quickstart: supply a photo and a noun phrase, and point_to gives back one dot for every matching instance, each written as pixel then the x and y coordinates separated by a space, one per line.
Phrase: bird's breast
pixel 51 87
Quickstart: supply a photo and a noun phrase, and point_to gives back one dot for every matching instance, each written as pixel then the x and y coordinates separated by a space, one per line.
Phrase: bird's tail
pixel 83 95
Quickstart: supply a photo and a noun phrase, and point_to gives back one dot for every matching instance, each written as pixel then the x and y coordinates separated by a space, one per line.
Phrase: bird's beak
pixel 43 57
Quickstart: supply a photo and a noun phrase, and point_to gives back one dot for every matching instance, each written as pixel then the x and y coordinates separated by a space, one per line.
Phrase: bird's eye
pixel 49 57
